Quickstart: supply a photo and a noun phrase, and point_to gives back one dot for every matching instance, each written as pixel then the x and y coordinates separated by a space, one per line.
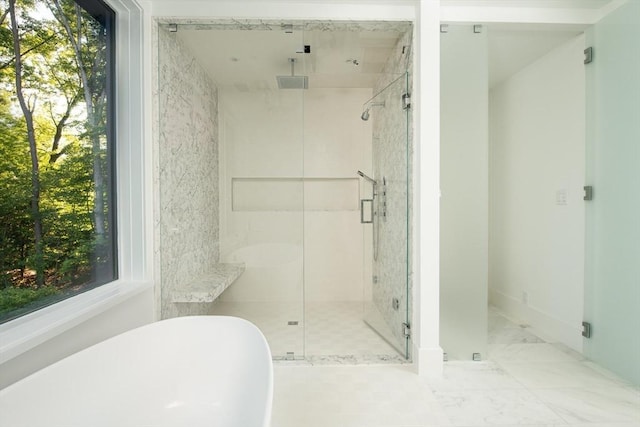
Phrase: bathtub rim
pixel 155 328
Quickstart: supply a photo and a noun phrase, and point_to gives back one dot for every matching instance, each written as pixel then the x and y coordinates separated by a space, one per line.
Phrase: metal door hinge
pixel 406 101
pixel 406 330
pixel 586 329
pixel 588 55
pixel 588 192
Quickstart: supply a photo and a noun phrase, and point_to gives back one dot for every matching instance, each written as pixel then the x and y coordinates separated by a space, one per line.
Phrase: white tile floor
pixel 333 329
pixel 525 382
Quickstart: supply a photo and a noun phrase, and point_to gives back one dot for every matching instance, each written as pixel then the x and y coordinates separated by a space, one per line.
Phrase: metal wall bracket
pixel 444 28
pixel 173 28
pixel 406 101
pixel 477 29
pixel 477 357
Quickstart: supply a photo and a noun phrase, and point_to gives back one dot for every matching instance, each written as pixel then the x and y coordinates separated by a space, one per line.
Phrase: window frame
pixel 106 16
pixel 133 182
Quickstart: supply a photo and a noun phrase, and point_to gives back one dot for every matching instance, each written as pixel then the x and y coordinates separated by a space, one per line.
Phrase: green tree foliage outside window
pixel 57 227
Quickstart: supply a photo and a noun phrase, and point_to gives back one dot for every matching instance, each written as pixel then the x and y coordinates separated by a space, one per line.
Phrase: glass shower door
pixel 262 218
pixel 385 212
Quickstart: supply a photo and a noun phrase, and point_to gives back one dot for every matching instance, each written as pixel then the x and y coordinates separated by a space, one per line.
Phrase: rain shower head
pixel 292 81
pixel 365 114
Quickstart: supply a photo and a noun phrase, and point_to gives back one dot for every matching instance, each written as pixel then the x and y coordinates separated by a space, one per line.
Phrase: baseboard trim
pixel 544 325
pixel 428 361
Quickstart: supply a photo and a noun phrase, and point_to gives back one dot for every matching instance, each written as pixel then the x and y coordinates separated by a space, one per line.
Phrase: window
pixel 57 151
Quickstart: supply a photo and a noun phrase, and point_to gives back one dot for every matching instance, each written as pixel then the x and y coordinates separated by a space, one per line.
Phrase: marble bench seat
pixel 208 287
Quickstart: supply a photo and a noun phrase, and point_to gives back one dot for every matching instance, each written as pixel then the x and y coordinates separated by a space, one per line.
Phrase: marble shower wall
pixel 392 156
pixel 187 173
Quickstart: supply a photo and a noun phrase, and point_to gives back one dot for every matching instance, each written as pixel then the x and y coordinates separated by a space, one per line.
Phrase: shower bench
pixel 208 287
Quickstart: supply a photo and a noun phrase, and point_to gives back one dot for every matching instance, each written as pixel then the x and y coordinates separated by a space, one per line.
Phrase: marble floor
pixel 524 382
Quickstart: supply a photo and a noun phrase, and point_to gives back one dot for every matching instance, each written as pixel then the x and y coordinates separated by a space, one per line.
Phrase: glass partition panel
pixel 464 187
pixel 612 288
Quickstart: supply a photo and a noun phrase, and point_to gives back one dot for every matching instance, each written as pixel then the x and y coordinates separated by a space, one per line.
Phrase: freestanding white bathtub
pixel 183 372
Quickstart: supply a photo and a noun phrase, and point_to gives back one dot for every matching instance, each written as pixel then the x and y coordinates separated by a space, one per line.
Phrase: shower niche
pixel 259 140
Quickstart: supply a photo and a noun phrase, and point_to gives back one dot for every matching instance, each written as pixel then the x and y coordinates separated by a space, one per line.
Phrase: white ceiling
pixel 554 4
pixel 512 49
pixel 249 60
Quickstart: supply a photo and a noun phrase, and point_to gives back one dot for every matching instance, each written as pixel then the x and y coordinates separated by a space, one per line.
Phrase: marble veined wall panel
pixel 187 172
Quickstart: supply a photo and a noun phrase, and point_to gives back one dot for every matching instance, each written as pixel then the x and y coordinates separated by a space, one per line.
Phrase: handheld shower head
pixel 365 114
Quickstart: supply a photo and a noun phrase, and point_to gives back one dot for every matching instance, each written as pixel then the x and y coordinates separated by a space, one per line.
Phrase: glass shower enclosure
pixel 260 202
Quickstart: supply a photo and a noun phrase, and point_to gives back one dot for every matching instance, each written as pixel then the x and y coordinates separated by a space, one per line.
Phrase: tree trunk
pixel 92 124
pixel 31 135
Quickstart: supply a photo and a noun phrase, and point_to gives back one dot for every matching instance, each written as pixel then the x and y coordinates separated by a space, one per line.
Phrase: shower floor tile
pixel 325 333
pixel 337 328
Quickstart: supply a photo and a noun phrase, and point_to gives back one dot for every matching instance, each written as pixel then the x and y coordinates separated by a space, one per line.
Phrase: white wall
pixel 133 312
pixel 464 204
pixel 316 140
pixel 337 143
pixel 537 123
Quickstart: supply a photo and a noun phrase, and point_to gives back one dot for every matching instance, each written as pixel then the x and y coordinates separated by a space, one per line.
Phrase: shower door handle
pixel 362 208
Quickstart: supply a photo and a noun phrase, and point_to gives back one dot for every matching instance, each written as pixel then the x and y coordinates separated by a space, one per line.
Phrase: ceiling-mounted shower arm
pixel 292 61
pixel 372 181
pixel 367 177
